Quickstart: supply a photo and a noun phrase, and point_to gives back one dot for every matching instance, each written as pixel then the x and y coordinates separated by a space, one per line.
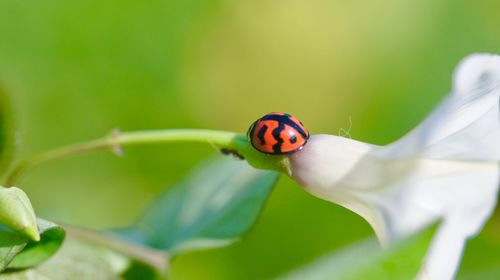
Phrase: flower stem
pixel 158 259
pixel 228 141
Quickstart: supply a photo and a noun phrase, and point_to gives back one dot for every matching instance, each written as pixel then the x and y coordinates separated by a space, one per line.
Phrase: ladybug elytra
pixel 277 134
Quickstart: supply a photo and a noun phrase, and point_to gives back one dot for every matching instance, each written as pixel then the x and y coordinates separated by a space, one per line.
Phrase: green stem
pixel 229 141
pixel 155 258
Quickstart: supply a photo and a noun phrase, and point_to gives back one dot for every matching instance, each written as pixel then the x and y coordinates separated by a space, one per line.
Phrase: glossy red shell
pixel 278 133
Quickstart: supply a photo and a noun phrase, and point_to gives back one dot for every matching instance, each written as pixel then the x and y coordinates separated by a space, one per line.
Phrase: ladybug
pixel 278 134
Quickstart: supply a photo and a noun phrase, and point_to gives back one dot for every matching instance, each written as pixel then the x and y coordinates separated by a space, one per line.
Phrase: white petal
pixel 396 196
pixel 444 254
pixel 322 166
pixel 466 125
pixel 446 169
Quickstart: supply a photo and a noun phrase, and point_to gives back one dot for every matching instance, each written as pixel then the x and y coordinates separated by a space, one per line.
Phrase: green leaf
pixel 17 251
pixel 6 131
pixel 366 260
pixel 11 244
pixel 214 206
pixel 52 236
pixel 81 259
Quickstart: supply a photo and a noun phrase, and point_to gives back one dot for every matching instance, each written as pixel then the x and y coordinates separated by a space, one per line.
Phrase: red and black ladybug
pixel 277 134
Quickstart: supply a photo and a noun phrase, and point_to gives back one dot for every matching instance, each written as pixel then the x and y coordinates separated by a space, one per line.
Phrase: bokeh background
pixel 74 70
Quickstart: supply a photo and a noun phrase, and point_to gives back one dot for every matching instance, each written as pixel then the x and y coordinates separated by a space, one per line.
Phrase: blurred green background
pixel 77 69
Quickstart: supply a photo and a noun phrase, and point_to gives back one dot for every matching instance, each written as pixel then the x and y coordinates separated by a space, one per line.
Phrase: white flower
pixel 446 169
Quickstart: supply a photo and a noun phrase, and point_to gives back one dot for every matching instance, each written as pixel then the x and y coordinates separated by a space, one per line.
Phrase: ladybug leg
pixel 233 153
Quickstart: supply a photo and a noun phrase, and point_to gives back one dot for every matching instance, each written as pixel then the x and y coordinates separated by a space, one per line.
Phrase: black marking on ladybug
pixel 276 135
pixel 261 134
pixel 293 138
pixel 251 130
pixel 286 120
